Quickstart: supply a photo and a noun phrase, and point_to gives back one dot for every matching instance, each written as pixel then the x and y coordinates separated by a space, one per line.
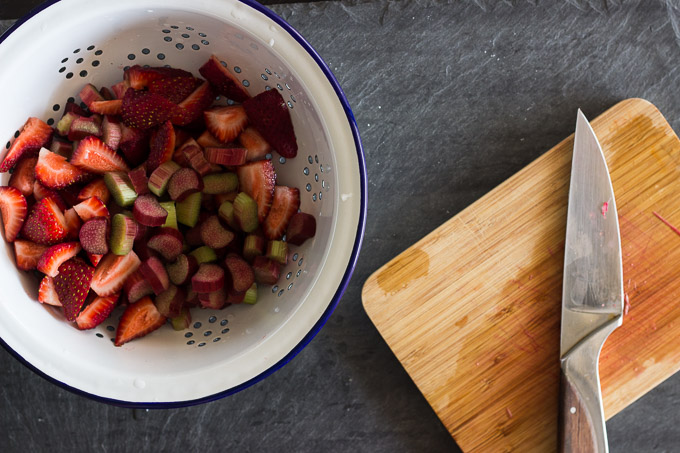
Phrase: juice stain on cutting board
pixel 409 266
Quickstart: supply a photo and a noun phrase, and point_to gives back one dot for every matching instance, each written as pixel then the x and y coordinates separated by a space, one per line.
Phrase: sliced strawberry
pixel 269 114
pixel 206 139
pixel 254 142
pixel 112 271
pixel 113 107
pixel 226 123
pixel 144 110
pixel 258 179
pixel 96 188
pixel 174 89
pixel 223 80
pixel 40 192
pixel 23 176
pixel 95 156
pixel 96 311
pixel 54 172
pixel 13 207
pixel 72 284
pixel 191 108
pixel 33 135
pixel 56 255
pixel 45 223
pixel 91 208
pixel 90 94
pixel 139 77
pixel 134 144
pixel 162 146
pixel 139 318
pixel 47 294
pixel 285 204
pixel 28 254
pixel 73 223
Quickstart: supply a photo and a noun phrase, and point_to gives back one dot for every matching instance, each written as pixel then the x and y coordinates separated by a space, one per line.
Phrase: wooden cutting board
pixel 472 310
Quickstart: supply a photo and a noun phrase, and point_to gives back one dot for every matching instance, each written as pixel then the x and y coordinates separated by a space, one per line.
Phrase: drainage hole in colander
pixel 288 275
pixel 300 262
pixel 280 293
pixel 245 83
pixel 216 339
pixel 197 325
pixel 79 60
pixel 161 56
pixel 264 77
pixel 202 35
pixel 16 134
pixel 190 342
pixel 179 46
pixel 186 35
pixel 308 187
pixel 146 51
pixel 314 197
pixel 237 69
pixel 292 98
pixel 131 56
pixel 200 345
pixel 167 39
pixel 165 30
pixel 195 46
pixel 290 104
pixel 207 333
pixel 295 257
pixel 95 63
pixel 282 160
pixel 225 331
pixel 83 73
pixel 306 171
pixel 69 75
pixel 62 69
pixel 297 274
pixel 290 287
pixel 310 160
pixel 76 51
pixel 267 88
pixel 50 121
pixel 316 177
pixel 224 323
pixel 205 43
pixel 175 27
pixel 212 319
pixel 99 52
pixel 275 288
pixel 110 328
pixel 99 335
pixel 8 145
pixel 188 335
pixel 64 60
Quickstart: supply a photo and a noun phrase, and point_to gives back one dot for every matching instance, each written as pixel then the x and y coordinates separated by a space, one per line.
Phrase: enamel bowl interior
pixel 72 42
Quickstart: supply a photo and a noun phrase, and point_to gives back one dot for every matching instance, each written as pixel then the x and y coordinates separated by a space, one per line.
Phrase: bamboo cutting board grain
pixel 472 310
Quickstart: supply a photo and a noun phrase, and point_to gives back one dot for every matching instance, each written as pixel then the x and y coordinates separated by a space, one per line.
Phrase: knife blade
pixel 592 293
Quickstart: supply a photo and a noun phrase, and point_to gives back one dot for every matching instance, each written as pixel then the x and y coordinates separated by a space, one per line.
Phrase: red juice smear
pixel 605 208
pixel 668 224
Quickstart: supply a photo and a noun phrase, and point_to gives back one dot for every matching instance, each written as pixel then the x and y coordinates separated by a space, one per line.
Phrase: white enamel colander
pixel 48 56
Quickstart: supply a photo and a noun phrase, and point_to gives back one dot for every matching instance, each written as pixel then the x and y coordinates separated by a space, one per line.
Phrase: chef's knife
pixel 592 293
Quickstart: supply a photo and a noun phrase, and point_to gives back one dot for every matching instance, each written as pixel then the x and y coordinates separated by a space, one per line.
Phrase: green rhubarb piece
pixel 204 254
pixel 120 187
pixel 217 183
pixel 123 232
pixel 64 124
pixel 226 212
pixel 158 181
pixel 188 209
pixel 245 212
pixel 251 295
pixel 171 219
pixel 253 245
pixel 182 321
pixel 277 251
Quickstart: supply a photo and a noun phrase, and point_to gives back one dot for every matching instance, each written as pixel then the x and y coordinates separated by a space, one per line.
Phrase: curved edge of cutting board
pixel 472 310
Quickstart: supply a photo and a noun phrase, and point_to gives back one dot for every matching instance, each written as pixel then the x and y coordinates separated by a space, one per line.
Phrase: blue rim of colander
pixel 345 278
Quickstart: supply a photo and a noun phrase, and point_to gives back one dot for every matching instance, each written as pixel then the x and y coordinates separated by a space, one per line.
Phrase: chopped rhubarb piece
pixel 194 155
pixel 160 177
pixel 136 287
pixel 235 297
pixel 285 204
pixel 267 271
pixel 225 123
pixel 13 207
pixel 72 107
pixel 47 294
pixel 181 271
pixel 183 183
pixel 139 180
pixel 112 271
pixel 90 94
pixel 28 254
pixel 23 176
pixel 220 183
pixel 63 126
pixel 96 312
pixel 54 172
pixel 269 114
pixel 183 320
pixel 171 220
pixel 251 295
pixel 62 147
pixel 240 272
pixel 94 236
pixel 33 135
pixel 254 142
pixel 258 179
pixel 277 251
pixel 253 246
pixel 229 157
pixel 245 212
pixel 147 211
pixel 214 235
pixel 226 212
pixel 112 133
pixel 301 227
pixel 189 209
pixel 139 319
pixel 154 272
pixel 107 94
pixel 45 223
pixel 213 300
pixel 96 188
pixel 169 303
pixel 192 296
pixel 193 236
pixel 223 80
pixel 95 156
pixel 82 127
pixel 208 278
pixel 123 232
pixel 167 242
pixel 120 88
pixel 72 284
pixel 56 255
pixel 120 188
pixel 204 254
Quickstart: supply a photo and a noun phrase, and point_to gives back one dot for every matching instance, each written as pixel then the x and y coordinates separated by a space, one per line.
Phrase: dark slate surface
pixel 451 99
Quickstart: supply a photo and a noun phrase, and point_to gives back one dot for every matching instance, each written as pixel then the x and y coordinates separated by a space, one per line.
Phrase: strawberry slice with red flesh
pixel 94 258
pixel 285 204
pixel 96 188
pixel 112 271
pixel 120 88
pixel 40 192
pixel 28 254
pixel 174 89
pixel 225 123
pixel 139 319
pixel 254 142
pixel 223 80
pixel 269 114
pixel 134 144
pixel 162 146
pixel 23 176
pixel 91 208
pixel 96 312
pixel 95 156
pixel 73 223
pixel 144 110
pixel 47 294
pixel 55 172
pixel 72 284
pixel 139 77
pixel 34 135
pixel 113 107
pixel 56 255
pixel 191 108
pixel 45 223
pixel 14 208
pixel 258 179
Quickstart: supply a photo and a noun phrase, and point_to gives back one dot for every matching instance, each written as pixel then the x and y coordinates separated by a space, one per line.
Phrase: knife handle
pixel 577 431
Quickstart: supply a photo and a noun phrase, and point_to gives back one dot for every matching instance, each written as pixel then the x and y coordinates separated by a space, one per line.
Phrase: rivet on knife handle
pixel 577 432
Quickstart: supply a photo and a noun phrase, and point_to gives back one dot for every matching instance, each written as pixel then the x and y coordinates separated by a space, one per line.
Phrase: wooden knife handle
pixel 577 432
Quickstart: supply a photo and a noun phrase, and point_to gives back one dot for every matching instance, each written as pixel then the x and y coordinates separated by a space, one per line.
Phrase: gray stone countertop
pixel 451 99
